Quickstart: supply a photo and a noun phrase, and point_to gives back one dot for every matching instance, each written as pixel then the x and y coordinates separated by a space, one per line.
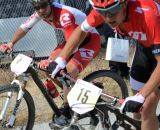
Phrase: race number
pixel 20 64
pixel 83 96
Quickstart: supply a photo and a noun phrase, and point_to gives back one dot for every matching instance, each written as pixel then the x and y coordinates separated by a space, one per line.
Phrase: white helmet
pixel 105 5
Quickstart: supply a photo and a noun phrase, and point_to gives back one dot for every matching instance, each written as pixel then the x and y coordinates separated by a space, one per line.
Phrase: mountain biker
pixel 66 18
pixel 138 19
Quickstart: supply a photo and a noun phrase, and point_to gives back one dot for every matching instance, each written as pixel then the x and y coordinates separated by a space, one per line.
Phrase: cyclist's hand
pixel 132 104
pixel 6 48
pixel 55 66
pixel 43 64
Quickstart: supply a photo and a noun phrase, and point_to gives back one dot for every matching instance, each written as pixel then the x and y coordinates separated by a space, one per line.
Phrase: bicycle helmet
pixel 105 5
pixel 37 4
pixel 41 2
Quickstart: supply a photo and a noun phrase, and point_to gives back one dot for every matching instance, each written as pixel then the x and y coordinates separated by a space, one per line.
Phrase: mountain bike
pixel 16 102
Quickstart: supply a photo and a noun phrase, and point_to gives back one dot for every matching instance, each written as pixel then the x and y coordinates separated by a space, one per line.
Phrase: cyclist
pixel 66 18
pixel 137 19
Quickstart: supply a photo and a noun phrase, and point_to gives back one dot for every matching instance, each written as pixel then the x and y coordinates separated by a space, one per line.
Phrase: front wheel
pixel 25 112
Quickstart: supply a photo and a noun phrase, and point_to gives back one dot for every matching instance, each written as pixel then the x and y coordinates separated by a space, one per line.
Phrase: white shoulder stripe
pixel 86 27
pixel 31 21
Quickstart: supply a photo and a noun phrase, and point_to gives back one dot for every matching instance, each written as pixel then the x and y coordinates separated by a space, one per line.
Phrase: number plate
pixel 20 64
pixel 83 96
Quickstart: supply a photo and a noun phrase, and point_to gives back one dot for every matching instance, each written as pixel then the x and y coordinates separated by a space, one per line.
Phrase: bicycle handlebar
pixel 112 97
pixel 8 57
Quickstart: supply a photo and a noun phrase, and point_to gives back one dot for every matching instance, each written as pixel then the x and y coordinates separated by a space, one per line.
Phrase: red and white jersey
pixel 143 22
pixel 64 17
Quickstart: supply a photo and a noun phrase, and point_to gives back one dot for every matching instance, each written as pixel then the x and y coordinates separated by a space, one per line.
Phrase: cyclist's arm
pixel 24 28
pixel 73 42
pixel 79 34
pixel 153 28
pixel 154 81
pixel 17 35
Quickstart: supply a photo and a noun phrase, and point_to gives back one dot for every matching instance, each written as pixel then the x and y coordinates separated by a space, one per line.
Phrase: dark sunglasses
pixel 111 12
pixel 43 5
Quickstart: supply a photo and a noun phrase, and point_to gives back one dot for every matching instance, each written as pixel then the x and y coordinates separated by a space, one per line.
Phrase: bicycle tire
pixel 29 105
pixel 109 74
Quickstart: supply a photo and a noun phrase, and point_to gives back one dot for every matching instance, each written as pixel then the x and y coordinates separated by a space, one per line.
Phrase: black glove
pixel 132 104
pixel 55 66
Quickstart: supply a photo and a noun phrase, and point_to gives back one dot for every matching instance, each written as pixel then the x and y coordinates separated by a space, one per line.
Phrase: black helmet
pixel 37 1
pixel 40 3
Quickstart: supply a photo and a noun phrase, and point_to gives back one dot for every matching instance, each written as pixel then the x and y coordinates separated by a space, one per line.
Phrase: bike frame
pixel 21 84
pixel 41 86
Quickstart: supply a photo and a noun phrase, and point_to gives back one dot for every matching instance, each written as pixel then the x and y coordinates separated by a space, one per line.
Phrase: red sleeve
pixel 68 23
pixel 153 29
pixel 94 19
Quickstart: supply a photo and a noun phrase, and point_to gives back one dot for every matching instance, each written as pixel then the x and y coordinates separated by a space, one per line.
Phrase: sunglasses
pixel 43 5
pixel 111 12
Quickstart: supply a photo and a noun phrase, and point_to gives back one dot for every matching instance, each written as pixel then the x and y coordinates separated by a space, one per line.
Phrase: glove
pixel 43 64
pixel 55 66
pixel 6 48
pixel 132 104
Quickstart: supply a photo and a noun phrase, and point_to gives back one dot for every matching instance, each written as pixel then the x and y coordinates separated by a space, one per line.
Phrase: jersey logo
pixel 86 53
pixel 65 19
pixel 138 35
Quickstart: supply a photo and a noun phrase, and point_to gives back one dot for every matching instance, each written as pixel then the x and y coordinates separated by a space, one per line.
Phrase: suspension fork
pixel 3 112
pixel 18 101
